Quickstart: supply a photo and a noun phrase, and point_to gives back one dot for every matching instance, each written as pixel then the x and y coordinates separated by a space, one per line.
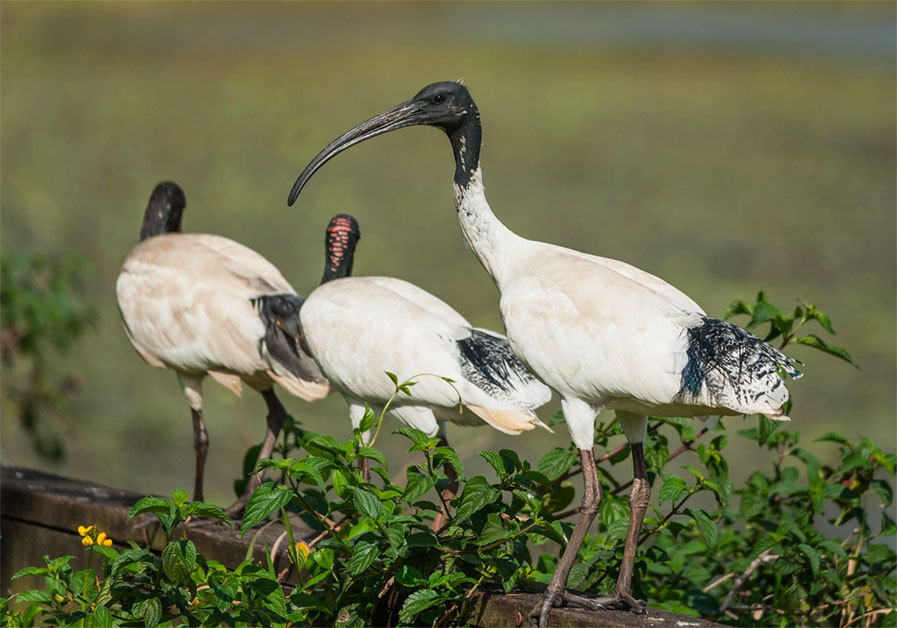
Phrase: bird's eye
pixel 438 99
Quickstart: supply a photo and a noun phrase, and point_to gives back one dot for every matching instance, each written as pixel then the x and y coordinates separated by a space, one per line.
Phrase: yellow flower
pixel 87 541
pixel 59 599
pixel 84 531
pixel 103 540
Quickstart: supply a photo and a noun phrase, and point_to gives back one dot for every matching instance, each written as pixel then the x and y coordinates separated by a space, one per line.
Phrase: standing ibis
pixel 602 333
pixel 202 304
pixel 360 328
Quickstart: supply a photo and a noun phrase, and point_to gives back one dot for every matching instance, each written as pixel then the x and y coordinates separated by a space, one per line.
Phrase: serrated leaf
pixel 672 489
pixel 178 561
pixel 557 417
pixel 738 306
pixel 418 485
pixel 151 504
pixel 31 571
pixel 373 454
pixel 363 555
pixel 416 603
pixel 812 555
pixel 179 496
pixel 414 434
pixel 477 493
pixel 705 525
pixel 366 503
pixel 33 595
pixel 102 618
pixel 266 498
pixel 493 531
pixel 495 461
pixel 368 420
pixel 811 340
pixel 443 455
pixel 150 610
pixel 763 312
pixel 204 509
pixel 555 463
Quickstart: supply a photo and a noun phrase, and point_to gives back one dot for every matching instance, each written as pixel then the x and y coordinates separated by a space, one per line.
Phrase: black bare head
pixel 164 210
pixel 339 247
pixel 446 105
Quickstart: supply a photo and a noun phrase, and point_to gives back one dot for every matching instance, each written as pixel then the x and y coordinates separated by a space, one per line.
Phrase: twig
pixel 764 557
pixel 877 611
pixel 717 582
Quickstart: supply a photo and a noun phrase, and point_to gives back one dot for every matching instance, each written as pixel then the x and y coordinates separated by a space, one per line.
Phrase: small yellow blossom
pixel 59 599
pixel 302 550
pixel 87 541
pixel 102 539
pixel 84 531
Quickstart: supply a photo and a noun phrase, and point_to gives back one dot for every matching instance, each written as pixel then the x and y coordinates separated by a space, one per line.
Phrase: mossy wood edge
pixel 40 513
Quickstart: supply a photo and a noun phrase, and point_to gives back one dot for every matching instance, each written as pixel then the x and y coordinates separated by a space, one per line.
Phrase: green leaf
pixel 447 455
pixel 366 503
pixel 706 526
pixel 102 618
pixel 477 493
pixel 394 378
pixel 493 531
pixel 373 454
pixel 152 504
pixel 266 498
pixel 368 420
pixel 418 485
pixel 179 496
pixel 34 595
pixel 31 571
pixel 150 610
pixel 204 509
pixel 495 460
pixel 812 555
pixel 672 489
pixel 811 340
pixel 415 435
pixel 363 555
pixel 178 561
pixel 556 462
pixel 416 603
pixel 762 313
pixel 833 437
pixel 738 307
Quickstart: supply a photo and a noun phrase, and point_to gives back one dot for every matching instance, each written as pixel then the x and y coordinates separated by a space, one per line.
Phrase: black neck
pixel 161 216
pixel 343 268
pixel 340 239
pixel 466 139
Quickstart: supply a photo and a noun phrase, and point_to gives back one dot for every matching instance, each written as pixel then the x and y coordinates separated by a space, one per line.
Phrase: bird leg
pixel 448 493
pixel 639 496
pixel 591 500
pixel 201 445
pixel 276 416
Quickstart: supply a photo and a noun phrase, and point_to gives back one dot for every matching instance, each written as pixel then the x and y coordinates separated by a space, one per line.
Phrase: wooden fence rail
pixel 40 514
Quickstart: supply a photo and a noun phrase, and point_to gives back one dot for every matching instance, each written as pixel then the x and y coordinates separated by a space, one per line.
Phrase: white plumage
pixel 360 328
pixel 602 333
pixel 201 305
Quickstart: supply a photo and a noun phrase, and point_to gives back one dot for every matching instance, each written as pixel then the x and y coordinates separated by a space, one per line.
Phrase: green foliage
pixel 41 315
pixel 801 542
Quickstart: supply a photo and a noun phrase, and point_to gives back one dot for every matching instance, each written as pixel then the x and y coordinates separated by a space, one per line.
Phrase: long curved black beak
pixel 406 114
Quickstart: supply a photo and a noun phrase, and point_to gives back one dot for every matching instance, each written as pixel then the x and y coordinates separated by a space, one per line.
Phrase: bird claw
pixel 621 601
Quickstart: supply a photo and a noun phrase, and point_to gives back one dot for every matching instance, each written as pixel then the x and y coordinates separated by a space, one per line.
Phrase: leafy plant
pixel 41 316
pixel 801 542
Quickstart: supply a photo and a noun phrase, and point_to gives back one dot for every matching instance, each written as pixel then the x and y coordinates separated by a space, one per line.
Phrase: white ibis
pixel 360 328
pixel 202 304
pixel 602 333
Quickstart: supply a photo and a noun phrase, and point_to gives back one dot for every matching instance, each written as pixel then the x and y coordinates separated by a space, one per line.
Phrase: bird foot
pixel 538 616
pixel 619 601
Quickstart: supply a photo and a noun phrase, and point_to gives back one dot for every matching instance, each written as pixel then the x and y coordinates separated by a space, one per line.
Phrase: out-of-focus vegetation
pixel 725 148
pixel 42 314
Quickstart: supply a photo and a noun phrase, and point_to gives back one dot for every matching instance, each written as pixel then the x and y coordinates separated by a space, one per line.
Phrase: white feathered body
pixel 605 333
pixel 186 301
pixel 359 328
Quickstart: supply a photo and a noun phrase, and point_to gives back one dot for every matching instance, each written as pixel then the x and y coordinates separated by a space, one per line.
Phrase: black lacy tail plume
pixel 283 339
pixel 488 362
pixel 723 355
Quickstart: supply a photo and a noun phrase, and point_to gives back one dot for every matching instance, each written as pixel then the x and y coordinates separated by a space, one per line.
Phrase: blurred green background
pixel 727 148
